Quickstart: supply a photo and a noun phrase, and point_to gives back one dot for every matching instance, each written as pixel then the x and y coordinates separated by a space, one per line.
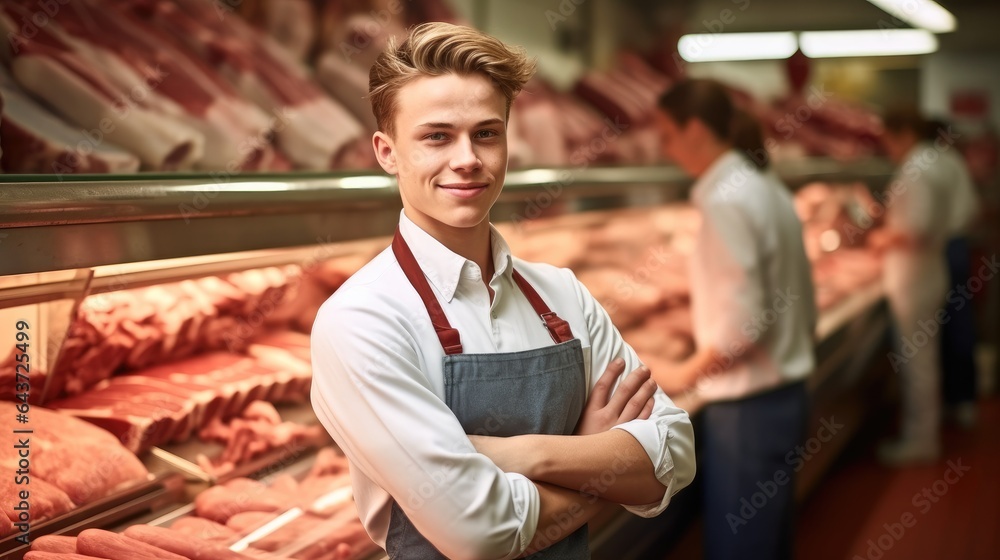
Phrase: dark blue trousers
pixel 750 452
pixel 958 335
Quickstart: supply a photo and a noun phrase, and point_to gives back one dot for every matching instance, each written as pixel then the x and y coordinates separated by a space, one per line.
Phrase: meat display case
pixel 62 240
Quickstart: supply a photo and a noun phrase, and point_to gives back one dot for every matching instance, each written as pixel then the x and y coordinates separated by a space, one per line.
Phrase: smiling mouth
pixel 465 186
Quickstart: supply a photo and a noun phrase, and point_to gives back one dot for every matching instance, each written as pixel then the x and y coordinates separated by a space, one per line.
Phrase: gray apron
pixel 539 391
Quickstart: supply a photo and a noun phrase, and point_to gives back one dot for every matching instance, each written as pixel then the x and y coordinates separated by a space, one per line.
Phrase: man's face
pixel 449 149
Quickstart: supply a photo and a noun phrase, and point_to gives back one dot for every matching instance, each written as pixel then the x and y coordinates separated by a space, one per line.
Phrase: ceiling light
pixel 872 42
pixel 923 14
pixel 711 47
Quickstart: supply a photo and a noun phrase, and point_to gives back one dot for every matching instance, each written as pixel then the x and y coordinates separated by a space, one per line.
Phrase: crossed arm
pixel 577 474
pixel 471 502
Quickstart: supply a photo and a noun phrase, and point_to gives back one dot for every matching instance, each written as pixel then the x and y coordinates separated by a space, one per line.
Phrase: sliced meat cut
pixel 33 140
pixel 47 501
pixel 71 77
pixel 104 471
pixel 311 128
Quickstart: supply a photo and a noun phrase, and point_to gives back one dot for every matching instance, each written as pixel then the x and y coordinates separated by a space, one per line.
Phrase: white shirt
pixel 921 201
pixel 941 166
pixel 378 389
pixel 751 285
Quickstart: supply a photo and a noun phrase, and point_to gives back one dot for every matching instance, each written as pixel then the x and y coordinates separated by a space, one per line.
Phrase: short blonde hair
pixel 436 49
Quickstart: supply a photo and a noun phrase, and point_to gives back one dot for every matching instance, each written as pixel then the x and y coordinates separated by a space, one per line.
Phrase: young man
pixel 459 380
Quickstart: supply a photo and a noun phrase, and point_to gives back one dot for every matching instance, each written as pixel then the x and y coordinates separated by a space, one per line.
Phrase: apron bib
pixel 539 391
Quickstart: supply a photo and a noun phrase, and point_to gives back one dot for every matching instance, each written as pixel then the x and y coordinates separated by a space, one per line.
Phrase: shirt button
pixel 494 314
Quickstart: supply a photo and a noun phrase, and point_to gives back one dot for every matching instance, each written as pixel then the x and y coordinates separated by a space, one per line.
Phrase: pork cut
pixel 71 76
pixel 47 501
pixel 33 140
pixel 311 128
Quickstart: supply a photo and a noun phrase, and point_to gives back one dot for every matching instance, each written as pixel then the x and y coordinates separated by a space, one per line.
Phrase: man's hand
pixel 604 410
pixel 633 399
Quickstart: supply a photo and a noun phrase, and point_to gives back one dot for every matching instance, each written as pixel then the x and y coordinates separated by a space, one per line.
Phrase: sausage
pixel 54 543
pixel 105 544
pixel 44 555
pixel 193 548
pixel 219 503
pixel 205 529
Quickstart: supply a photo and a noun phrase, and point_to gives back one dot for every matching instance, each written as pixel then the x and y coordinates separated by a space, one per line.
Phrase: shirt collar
pixel 444 268
pixel 713 178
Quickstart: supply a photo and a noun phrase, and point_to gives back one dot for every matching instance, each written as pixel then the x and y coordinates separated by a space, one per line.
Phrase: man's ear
pixel 385 152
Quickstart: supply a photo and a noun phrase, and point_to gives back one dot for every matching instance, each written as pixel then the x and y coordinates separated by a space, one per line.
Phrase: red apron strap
pixel 558 329
pixel 449 337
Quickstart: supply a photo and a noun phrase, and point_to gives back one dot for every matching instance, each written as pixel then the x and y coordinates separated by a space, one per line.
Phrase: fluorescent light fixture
pixel 922 14
pixel 712 47
pixel 869 42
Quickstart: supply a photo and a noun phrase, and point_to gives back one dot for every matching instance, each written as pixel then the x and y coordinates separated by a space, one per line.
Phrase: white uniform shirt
pixel 751 285
pixel 951 173
pixel 927 199
pixel 921 202
pixel 378 389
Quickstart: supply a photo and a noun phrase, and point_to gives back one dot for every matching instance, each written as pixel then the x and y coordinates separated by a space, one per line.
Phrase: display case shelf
pixel 95 221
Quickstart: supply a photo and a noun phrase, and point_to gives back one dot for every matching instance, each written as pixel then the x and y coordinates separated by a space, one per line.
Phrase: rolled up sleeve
pixel 369 392
pixel 667 435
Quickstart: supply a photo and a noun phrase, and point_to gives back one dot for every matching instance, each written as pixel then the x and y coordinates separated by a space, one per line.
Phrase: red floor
pixel 859 509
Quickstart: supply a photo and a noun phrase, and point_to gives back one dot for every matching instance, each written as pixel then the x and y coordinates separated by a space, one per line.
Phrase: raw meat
pixel 258 431
pixel 53 543
pixel 6 526
pixel 73 77
pixel 60 440
pixel 219 503
pixel 188 92
pixel 33 140
pixel 328 462
pixel 143 413
pixel 347 82
pixel 38 555
pixel 626 299
pixel 133 329
pixel 204 529
pixel 105 544
pixel 312 129
pixel 247 522
pixel 46 501
pixel 194 549
pixel 105 470
pixel 351 536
